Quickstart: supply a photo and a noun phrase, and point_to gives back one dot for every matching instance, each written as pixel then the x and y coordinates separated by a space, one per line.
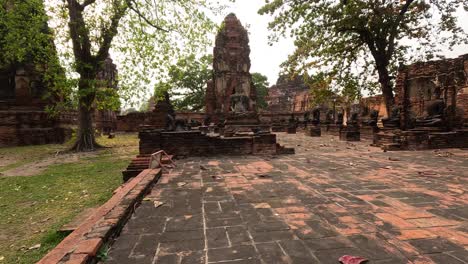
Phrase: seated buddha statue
pixel 435 111
pixel 393 120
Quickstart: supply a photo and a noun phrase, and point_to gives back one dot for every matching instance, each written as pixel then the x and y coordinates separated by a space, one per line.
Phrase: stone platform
pixel 196 143
pixel 331 198
pixel 420 139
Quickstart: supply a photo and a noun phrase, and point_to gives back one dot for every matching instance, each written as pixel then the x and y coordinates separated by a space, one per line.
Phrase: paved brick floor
pixel 330 199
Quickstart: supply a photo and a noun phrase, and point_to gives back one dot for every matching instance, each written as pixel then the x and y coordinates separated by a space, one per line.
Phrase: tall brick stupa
pixel 231 95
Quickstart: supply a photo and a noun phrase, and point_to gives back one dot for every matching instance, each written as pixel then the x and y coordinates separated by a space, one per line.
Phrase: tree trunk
pixel 386 86
pixel 85 140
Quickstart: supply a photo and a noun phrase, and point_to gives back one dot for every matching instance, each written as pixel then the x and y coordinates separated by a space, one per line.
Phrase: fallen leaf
pixel 37 246
pixel 347 259
pixel 2 258
pixel 180 184
pixel 157 204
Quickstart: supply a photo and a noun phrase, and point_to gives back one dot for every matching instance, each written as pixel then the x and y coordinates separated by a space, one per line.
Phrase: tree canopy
pixel 186 82
pixel 261 84
pixel 144 37
pixel 359 39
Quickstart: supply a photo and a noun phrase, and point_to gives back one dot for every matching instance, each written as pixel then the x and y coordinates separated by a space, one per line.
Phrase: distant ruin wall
pixel 420 80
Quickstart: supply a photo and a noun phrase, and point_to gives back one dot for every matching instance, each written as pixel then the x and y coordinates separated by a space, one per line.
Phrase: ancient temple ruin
pixel 288 95
pixel 232 125
pixel 431 106
pixel 25 92
pixel 231 89
pixel 23 119
pixel 231 95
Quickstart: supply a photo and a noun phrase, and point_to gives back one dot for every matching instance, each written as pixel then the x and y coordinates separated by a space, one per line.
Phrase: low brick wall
pixel 21 128
pixel 194 143
pixel 83 244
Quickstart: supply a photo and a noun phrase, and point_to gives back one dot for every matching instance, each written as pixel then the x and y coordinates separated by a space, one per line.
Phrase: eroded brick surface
pixel 330 199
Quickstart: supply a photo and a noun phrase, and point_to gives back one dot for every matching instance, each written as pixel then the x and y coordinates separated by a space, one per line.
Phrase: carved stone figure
pixel 393 120
pixel 316 116
pixel 373 116
pixel 239 103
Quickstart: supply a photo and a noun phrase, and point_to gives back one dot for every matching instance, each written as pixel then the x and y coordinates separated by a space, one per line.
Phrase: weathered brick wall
pixel 20 128
pixel 282 96
pixel 194 143
pixel 188 116
pixel 416 83
pixel 131 122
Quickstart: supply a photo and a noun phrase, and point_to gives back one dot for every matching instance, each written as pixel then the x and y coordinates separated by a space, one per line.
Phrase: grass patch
pixel 35 207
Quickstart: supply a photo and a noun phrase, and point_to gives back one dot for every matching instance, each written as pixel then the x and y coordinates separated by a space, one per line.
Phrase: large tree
pixel 186 82
pixel 145 35
pixel 261 84
pixel 357 37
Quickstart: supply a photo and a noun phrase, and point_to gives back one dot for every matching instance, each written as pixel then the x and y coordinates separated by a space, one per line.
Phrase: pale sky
pixel 266 59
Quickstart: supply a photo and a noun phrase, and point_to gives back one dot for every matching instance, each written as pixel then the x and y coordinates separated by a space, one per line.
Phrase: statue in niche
pixel 435 110
pixel 329 117
pixel 373 116
pixel 292 122
pixel 393 120
pixel 170 123
pixel 239 101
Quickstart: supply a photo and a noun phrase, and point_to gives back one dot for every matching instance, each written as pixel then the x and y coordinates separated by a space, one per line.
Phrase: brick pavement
pixel 330 199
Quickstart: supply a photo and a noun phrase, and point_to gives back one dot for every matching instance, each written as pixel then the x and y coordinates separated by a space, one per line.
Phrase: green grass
pixel 33 208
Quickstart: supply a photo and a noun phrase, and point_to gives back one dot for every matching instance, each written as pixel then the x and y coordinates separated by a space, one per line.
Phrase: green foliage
pixel 358 39
pixel 143 36
pixel 323 88
pixel 33 208
pixel 150 36
pixel 319 88
pixel 25 39
pixel 186 82
pixel 107 98
pixel 261 85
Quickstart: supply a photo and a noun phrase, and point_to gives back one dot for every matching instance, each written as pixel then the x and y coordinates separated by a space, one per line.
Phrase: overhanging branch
pixel 135 9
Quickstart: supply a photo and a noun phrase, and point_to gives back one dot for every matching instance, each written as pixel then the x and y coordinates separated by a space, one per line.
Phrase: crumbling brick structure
pixel 230 105
pixel 231 89
pixel 432 106
pixel 156 119
pixel 23 119
pixel 288 95
pixel 417 85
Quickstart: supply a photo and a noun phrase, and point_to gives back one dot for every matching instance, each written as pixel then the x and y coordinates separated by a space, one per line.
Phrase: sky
pixel 266 59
